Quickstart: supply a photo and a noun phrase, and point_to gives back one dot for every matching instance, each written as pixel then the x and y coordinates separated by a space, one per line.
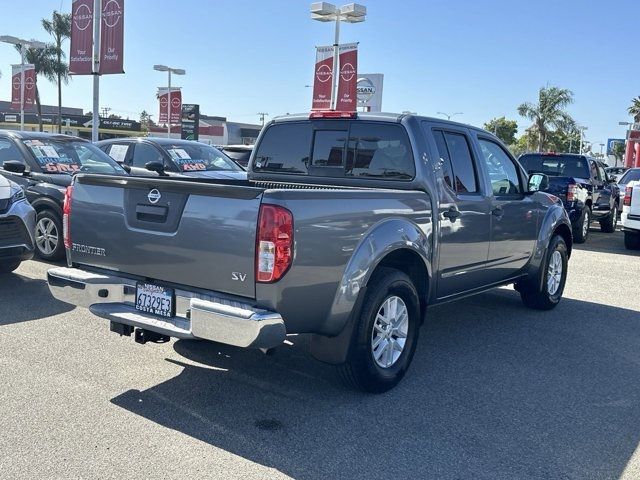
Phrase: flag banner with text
pixel 81 54
pixel 111 37
pixel 29 86
pixel 176 104
pixel 348 80
pixel 322 79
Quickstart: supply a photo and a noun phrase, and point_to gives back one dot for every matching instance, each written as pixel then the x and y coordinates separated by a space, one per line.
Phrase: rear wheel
pixel 581 229
pixel 8 267
pixel 632 240
pixel 49 241
pixel 609 224
pixel 385 337
pixel 546 295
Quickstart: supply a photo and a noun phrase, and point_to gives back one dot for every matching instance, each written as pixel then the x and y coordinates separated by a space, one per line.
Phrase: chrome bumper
pixel 197 316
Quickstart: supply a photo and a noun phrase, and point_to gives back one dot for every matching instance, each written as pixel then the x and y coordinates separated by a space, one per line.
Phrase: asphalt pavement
pixel 495 391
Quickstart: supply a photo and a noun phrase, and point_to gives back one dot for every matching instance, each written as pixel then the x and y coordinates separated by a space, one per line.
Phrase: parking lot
pixel 496 391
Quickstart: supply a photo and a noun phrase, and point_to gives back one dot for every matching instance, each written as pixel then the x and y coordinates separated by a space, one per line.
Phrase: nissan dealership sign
pixel 369 90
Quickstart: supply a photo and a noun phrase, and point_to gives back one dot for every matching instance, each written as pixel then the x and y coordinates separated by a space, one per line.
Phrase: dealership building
pixel 213 130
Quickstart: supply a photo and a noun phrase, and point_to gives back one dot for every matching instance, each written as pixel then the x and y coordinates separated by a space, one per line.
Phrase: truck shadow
pixel 601 242
pixel 495 391
pixel 30 300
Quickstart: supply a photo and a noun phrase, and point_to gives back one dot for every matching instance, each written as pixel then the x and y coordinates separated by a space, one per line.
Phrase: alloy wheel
pixel 390 329
pixel 554 273
pixel 46 236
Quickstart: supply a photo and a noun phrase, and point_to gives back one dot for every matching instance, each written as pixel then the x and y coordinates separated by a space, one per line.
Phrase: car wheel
pixel 49 241
pixel 581 229
pixel 386 335
pixel 8 267
pixel 631 240
pixel 546 294
pixel 609 224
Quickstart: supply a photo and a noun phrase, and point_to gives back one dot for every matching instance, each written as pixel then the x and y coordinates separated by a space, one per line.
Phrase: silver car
pixel 17 226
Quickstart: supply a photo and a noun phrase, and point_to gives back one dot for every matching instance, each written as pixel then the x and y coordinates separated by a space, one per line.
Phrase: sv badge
pixel 238 276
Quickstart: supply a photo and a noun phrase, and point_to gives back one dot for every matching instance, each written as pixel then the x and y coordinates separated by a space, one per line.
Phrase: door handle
pixel 451 214
pixel 497 212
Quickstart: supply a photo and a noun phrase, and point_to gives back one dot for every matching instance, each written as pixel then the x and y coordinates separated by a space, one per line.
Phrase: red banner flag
pixel 176 104
pixel 322 79
pixel 112 37
pixel 81 55
pixel 347 82
pixel 29 86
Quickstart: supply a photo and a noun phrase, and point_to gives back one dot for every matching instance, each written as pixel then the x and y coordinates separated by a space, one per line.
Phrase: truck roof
pixel 38 135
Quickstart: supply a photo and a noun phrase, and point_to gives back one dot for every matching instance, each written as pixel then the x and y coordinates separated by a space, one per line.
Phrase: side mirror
pixel 157 167
pixel 14 166
pixel 537 182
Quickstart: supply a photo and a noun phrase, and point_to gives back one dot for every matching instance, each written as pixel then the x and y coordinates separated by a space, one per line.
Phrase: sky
pixel 480 58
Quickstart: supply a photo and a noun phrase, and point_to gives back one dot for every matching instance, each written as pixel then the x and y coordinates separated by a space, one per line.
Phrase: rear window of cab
pixel 358 149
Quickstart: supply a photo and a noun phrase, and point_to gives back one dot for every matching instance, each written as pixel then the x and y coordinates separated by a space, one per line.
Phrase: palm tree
pixel 59 27
pixel 548 112
pixel 44 61
pixel 634 109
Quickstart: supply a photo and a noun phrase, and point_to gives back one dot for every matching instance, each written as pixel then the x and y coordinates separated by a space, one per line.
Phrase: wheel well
pixel 410 263
pixel 565 233
pixel 44 207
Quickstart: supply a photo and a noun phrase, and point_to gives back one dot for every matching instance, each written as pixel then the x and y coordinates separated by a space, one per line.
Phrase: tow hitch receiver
pixel 121 329
pixel 143 336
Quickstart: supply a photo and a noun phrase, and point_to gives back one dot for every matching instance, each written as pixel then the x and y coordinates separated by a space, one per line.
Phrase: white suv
pixel 631 215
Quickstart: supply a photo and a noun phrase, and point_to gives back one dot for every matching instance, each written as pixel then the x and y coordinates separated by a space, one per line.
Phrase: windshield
pixel 197 157
pixel 630 176
pixel 71 156
pixel 555 165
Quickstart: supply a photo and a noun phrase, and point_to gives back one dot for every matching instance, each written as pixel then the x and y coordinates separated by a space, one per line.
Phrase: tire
pixel 376 368
pixel 609 224
pixel 581 229
pixel 8 267
pixel 49 240
pixel 631 240
pixel 546 294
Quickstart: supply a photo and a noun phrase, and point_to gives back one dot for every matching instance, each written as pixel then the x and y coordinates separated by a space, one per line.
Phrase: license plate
pixel 154 299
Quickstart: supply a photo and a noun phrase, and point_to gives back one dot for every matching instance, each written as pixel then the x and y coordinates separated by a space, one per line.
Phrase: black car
pixel 172 157
pixel 44 165
pixel 238 153
pixel 584 187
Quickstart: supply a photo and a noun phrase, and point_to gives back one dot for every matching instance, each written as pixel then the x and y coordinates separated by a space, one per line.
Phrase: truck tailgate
pixel 188 233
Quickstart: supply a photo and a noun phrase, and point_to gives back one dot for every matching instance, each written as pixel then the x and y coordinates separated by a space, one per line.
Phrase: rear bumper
pixel 630 223
pixel 199 316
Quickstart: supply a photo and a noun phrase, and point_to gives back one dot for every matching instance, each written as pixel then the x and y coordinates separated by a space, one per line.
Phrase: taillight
pixel 274 243
pixel 572 190
pixel 628 191
pixel 66 216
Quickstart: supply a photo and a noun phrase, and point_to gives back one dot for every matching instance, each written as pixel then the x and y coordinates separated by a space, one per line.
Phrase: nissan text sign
pixel 369 88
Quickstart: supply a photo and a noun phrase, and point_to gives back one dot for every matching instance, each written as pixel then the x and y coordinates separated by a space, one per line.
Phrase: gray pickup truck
pixel 347 229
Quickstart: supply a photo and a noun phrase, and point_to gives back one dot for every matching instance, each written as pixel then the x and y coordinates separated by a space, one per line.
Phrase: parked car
pixel 631 215
pixel 631 175
pixel 581 183
pixel 44 164
pixel 17 224
pixel 171 157
pixel 615 172
pixel 238 153
pixel 347 229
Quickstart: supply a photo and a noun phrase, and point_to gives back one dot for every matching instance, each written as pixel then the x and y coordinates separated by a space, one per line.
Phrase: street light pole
pixel 582 129
pixel 95 124
pixel 447 115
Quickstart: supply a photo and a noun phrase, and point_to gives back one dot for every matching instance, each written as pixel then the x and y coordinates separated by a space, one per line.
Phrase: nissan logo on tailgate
pixel 154 196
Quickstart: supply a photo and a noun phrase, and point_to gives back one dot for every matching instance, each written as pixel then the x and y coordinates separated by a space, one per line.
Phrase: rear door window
pixel 284 148
pixel 9 151
pixel 379 151
pixel 144 153
pixel 466 180
pixel 118 151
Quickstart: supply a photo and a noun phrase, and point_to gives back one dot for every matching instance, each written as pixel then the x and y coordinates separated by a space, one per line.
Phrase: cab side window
pixel 8 151
pixel 144 153
pixel 502 171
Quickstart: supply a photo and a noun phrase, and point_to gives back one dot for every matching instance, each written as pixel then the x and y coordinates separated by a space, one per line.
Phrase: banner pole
pixel 335 74
pixel 169 105
pixel 21 87
pixel 95 124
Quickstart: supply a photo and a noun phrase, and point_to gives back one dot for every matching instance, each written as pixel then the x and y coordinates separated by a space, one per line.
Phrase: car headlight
pixel 17 197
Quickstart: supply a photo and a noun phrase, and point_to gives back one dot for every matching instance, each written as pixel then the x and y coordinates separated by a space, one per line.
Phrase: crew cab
pixel 43 164
pixel 583 186
pixel 631 216
pixel 347 229
pixel 171 157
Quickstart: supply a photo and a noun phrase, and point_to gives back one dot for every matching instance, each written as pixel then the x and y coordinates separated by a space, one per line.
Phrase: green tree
pixel 502 128
pixel 619 151
pixel 145 121
pixel 548 113
pixel 634 109
pixel 44 61
pixel 59 27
